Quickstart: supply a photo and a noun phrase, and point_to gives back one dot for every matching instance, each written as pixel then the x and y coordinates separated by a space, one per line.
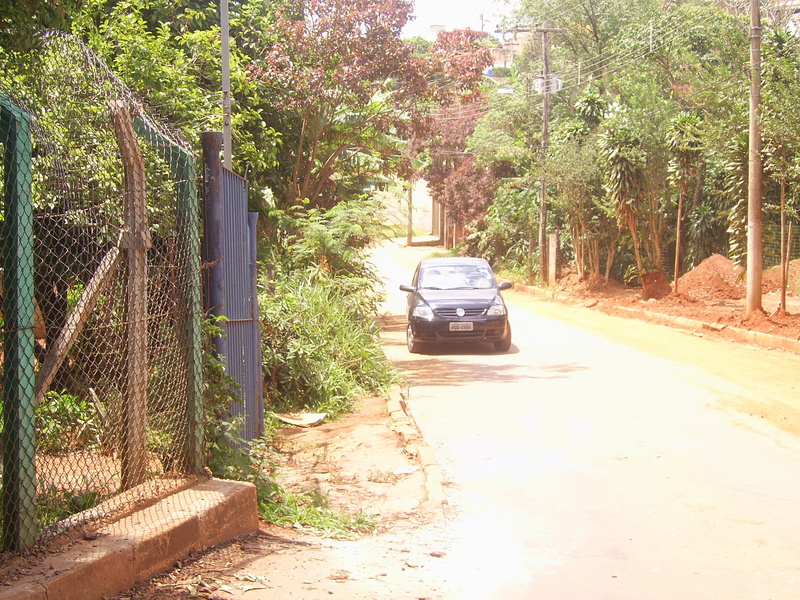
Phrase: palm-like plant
pixel 592 109
pixel 623 162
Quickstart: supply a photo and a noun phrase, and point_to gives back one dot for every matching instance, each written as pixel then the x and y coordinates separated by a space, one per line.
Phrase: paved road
pixel 606 461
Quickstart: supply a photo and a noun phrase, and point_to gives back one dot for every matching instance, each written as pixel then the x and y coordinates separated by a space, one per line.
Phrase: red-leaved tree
pixel 351 91
pixel 455 178
pixel 347 85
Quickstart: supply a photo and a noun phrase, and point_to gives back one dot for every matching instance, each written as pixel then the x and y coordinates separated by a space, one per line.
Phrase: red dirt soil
pixel 713 292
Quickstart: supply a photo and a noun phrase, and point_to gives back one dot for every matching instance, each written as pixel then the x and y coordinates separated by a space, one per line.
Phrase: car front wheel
pixel 413 345
pixel 504 345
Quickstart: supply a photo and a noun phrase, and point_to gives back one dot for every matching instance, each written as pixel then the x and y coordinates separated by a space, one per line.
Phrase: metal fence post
pixel 189 224
pixel 212 176
pixel 255 360
pixel 18 445
pixel 135 243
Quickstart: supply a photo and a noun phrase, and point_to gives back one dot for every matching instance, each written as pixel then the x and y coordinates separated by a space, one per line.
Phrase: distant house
pixel 511 44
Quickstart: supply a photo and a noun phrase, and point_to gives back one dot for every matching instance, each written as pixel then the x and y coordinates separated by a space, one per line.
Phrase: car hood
pixel 458 298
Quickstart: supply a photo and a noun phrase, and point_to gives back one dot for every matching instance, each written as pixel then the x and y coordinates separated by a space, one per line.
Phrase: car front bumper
pixel 485 329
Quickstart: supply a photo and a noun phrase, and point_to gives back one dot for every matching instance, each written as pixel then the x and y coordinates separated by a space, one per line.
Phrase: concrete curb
pixel 403 423
pixel 147 542
pixel 755 338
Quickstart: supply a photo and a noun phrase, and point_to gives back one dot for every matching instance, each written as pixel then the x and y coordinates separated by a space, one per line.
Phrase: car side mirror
pixel 506 285
pixel 407 288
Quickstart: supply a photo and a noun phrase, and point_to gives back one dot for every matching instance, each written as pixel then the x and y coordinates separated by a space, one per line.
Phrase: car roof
pixel 452 260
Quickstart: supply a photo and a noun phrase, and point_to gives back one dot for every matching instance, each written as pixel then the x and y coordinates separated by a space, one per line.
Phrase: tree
pixel 508 131
pixel 169 53
pixel 451 166
pixel 684 141
pixel 588 30
pixel 574 171
pixel 623 168
pixel 421 45
pixel 457 179
pixel 20 20
pixel 455 65
pixel 779 121
pixel 346 85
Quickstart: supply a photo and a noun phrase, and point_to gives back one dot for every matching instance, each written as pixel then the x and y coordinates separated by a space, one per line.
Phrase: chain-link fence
pixel 773 248
pixel 101 349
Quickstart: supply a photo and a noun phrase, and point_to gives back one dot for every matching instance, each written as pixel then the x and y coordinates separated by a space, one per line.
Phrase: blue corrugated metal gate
pixel 230 252
pixel 243 359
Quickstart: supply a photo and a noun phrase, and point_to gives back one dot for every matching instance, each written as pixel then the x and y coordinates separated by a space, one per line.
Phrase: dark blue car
pixel 456 300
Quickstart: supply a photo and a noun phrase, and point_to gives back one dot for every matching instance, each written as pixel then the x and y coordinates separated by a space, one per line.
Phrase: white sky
pixel 453 14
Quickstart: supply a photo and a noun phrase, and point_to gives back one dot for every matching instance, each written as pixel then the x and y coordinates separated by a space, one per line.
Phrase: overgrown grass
pixel 321 347
pixel 514 273
pixel 234 459
pixel 54 504
pixel 65 422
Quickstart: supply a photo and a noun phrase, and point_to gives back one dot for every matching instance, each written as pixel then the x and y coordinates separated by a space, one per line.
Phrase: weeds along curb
pixel 403 423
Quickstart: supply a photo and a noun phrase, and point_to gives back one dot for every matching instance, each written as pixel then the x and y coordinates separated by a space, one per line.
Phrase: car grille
pixel 450 313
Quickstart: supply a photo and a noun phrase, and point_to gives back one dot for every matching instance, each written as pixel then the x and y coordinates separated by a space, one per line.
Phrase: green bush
pixel 65 422
pixel 320 345
pixel 333 239
pixel 507 230
pixel 319 340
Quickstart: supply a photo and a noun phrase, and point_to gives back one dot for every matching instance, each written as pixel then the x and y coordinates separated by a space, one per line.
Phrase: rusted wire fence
pixel 101 350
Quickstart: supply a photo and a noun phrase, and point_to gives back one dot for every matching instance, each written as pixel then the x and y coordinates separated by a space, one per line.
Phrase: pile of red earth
pixel 771 281
pixel 716 278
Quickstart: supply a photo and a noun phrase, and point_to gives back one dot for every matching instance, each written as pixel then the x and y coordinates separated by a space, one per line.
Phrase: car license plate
pixel 461 326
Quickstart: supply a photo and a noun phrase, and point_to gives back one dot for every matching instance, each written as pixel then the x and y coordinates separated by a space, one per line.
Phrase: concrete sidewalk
pixel 139 546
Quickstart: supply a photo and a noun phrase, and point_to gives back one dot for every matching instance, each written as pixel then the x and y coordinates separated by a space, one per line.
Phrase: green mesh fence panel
pixel 102 405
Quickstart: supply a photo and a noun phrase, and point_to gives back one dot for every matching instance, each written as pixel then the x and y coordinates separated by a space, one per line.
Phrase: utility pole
pixel 754 182
pixel 226 84
pixel 547 87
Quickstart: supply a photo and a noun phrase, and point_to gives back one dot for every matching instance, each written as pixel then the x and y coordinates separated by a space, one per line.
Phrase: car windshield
pixel 456 277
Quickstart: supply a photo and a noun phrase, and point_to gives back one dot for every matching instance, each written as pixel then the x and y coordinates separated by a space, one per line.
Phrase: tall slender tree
pixel 685 145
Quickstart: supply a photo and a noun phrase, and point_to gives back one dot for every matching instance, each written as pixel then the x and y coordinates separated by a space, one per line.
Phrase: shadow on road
pixel 463 364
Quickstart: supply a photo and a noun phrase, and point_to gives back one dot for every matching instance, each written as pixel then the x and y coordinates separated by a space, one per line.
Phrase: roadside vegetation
pixel 646 161
pixel 320 341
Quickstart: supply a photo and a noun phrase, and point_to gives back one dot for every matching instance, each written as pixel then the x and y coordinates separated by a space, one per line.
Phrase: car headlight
pixel 422 311
pixel 497 309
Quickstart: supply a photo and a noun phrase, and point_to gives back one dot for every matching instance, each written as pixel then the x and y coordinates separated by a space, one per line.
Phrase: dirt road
pixel 607 458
